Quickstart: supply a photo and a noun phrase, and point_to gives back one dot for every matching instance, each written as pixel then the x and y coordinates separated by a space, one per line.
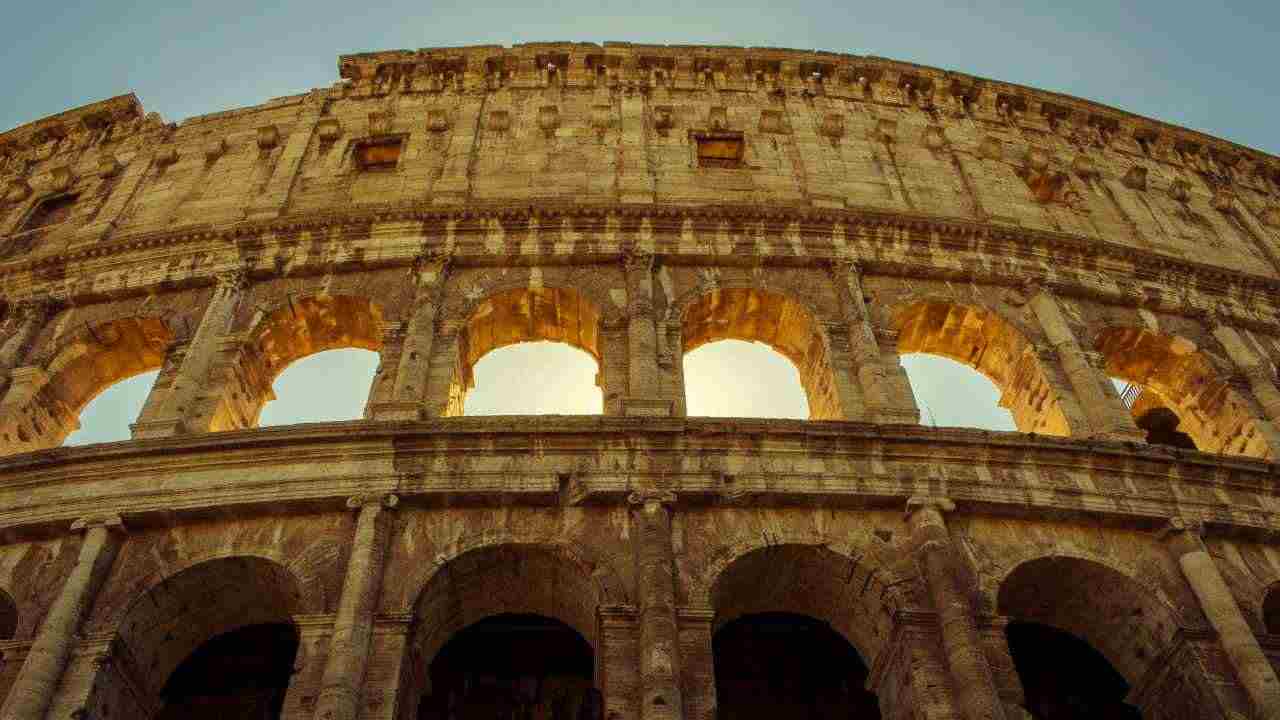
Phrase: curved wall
pixel 636 202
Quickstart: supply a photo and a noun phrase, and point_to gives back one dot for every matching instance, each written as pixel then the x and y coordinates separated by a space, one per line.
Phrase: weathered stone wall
pixel 636 202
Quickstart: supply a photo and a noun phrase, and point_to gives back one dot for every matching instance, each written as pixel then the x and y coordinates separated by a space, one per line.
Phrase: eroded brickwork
pixel 637 202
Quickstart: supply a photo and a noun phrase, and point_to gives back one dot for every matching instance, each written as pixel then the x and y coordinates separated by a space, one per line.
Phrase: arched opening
pixel 1092 690
pixel 8 616
pixel 982 340
pixel 732 378
pixel 1271 610
pixel 509 627
pixel 328 386
pixel 781 323
pixel 1174 374
pixel 512 666
pixel 240 674
pixel 41 409
pixel 783 665
pixel 215 640
pixel 953 394
pixel 106 418
pixel 1112 630
pixel 522 315
pixel 793 624
pixel 535 378
pixel 299 329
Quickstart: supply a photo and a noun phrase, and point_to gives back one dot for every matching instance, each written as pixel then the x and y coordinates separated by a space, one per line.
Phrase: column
pixel 1107 416
pixel 644 390
pixel 274 197
pixel 617 675
pixel 409 397
pixel 177 413
pixel 697 662
pixel 1261 378
pixel 27 318
pixel 1238 642
pixel 971 680
pixel 33 690
pixel 635 179
pixel 660 696
pixel 995 642
pixel 881 379
pixel 353 626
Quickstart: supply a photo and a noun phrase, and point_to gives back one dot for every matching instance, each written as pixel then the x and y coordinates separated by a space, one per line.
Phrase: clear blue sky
pixel 1203 65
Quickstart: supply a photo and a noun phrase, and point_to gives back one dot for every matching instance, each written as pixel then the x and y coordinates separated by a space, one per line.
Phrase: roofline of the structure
pixel 126 105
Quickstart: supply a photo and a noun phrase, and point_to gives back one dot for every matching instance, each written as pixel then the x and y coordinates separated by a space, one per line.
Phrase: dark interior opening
pixel 782 665
pixel 522 667
pixel 50 211
pixel 240 674
pixel 719 149
pixel 1161 426
pixel 1064 678
pixel 382 154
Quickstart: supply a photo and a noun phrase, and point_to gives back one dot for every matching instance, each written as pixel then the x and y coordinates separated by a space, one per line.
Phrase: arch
pixel 1130 624
pixel 984 340
pixel 493 580
pixel 777 320
pixel 8 616
pixel 163 626
pixel 292 330
pixel 516 315
pixel 41 409
pixel 811 580
pixel 1182 377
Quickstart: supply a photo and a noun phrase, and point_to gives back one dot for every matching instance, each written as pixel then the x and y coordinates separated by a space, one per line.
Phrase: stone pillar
pixel 1238 642
pixel 644 391
pixel 697 662
pixel 26 318
pixel 880 378
pixel 909 676
pixel 34 688
pixel 177 413
pixel 409 397
pixel 274 195
pixel 1107 416
pixel 617 674
pixel 1260 376
pixel 635 179
pixel 995 643
pixel 660 696
pixel 353 626
pixel 971 680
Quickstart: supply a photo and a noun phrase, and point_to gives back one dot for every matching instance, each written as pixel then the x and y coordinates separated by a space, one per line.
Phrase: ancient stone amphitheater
pixel 1117 558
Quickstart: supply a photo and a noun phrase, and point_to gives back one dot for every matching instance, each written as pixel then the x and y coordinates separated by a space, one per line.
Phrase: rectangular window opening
pixel 719 149
pixel 381 154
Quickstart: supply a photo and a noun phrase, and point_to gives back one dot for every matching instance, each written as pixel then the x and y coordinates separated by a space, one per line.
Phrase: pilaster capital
pixel 637 261
pixel 431 268
pixel 109 520
pixel 232 280
pixel 37 308
pixel 936 503
pixel 1182 536
pixel 385 501
pixel 651 499
pixel 842 267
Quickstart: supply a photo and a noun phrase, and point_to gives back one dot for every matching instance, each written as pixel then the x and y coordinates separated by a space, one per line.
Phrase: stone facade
pixel 636 202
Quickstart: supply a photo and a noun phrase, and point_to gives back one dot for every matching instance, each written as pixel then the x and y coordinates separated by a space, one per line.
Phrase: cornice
pixel 1027 245
pixel 867 466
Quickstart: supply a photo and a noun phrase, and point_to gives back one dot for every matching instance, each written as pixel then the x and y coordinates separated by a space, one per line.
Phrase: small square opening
pixel 50 211
pixel 719 150
pixel 383 154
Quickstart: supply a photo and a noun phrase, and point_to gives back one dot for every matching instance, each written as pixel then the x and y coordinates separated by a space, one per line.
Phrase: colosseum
pixel 1117 557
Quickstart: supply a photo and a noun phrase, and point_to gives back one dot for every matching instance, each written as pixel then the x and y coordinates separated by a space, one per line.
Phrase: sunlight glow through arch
pixel 952 394
pixel 535 378
pixel 733 378
pixel 327 386
pixel 107 417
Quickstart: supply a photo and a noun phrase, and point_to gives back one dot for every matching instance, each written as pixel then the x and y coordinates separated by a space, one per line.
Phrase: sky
pixel 1208 66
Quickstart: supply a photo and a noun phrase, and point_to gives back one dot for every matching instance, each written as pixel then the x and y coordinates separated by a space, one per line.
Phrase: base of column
pixel 396 411
pixel 157 429
pixel 646 407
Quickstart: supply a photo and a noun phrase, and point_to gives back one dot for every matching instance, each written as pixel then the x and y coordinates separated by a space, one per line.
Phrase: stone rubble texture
pixel 555 192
